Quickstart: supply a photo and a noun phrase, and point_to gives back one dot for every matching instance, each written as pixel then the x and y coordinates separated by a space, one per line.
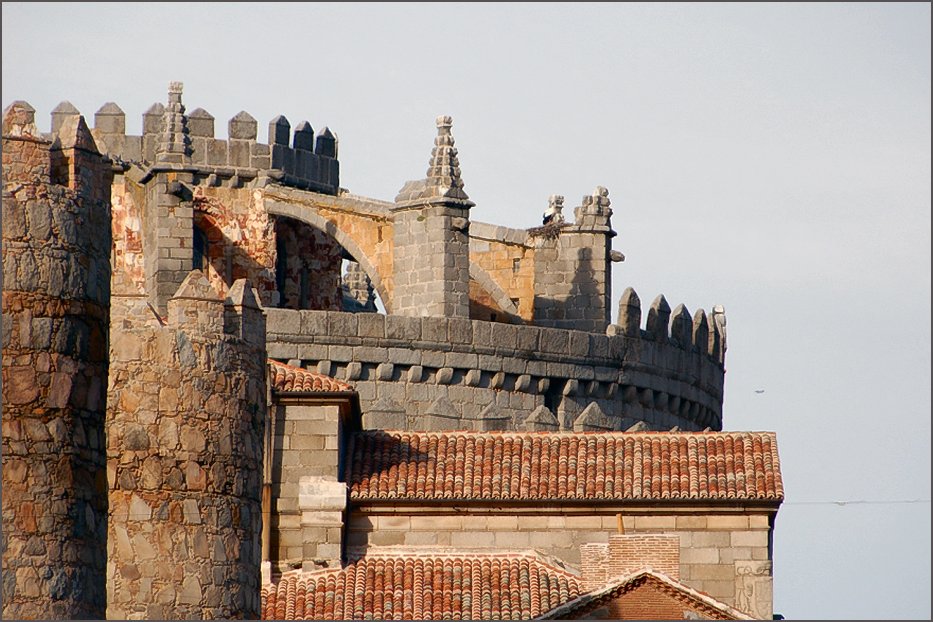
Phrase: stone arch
pixel 498 295
pixel 312 218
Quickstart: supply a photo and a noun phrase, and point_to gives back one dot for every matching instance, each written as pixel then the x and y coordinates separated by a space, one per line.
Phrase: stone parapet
pixel 303 159
pixel 474 363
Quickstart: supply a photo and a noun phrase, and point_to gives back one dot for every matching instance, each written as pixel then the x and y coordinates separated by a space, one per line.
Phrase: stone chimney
pixel 629 553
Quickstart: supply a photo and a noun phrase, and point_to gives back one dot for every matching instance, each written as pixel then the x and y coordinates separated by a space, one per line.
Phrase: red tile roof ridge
pixel 614 584
pixel 389 466
pixel 384 586
pixel 450 552
pixel 515 433
pixel 287 378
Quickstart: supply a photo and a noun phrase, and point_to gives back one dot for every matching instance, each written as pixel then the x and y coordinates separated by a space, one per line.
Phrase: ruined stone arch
pixel 498 295
pixel 312 218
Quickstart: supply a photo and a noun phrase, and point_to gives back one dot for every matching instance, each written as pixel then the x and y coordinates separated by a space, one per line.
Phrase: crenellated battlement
pixel 702 333
pixel 302 158
pixel 394 361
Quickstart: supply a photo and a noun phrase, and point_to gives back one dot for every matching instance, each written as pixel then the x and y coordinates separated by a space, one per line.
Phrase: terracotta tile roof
pixel 702 603
pixel 290 379
pixel 587 466
pixel 426 586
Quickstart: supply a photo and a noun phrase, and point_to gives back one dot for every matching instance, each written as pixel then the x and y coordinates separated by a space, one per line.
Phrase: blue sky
pixel 773 158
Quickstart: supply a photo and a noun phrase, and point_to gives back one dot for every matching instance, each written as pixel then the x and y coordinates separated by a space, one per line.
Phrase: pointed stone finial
pixel 196 287
pixel 325 143
pixel 73 133
pixel 492 418
pixel 201 123
pixel 19 119
pixel 700 331
pixel 593 419
pixel 541 419
pixel 279 130
pixel 554 213
pixel 719 321
pixel 443 179
pixel 174 143
pixel 630 313
pixel 61 112
pixel 110 119
pixel 152 119
pixel 242 126
pixel 594 210
pixel 714 348
pixel 682 326
pixel 444 169
pixel 304 137
pixel 659 315
pixel 242 294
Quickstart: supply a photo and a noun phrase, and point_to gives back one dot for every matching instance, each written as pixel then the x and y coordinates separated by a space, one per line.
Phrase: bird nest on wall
pixel 549 231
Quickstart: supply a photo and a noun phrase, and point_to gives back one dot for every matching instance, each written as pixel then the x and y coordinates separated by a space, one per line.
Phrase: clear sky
pixel 771 158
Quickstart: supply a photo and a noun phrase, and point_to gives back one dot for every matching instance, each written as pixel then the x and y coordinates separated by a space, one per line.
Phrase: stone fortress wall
pixel 493 329
pixel 435 373
pixel 463 367
pixel 309 162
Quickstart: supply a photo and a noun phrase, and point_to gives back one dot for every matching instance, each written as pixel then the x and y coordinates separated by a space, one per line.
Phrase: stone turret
pixel 56 289
pixel 186 411
pixel 168 223
pixel 573 266
pixel 432 225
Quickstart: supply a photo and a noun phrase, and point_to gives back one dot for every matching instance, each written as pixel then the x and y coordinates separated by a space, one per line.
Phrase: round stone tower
pixel 187 405
pixel 56 288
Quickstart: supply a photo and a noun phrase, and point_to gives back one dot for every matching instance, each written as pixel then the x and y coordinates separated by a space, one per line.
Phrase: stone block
pixel 473 539
pixel 699 556
pixel 644 523
pixel 710 539
pixel 402 328
pixel 749 538
pixel 402 523
pixel 512 539
pixel 371 325
pixel 318 493
pixel 385 371
pixel 727 521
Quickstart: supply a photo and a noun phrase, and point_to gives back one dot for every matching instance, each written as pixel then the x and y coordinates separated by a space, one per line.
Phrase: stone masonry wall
pixel 508 258
pixel 432 263
pixel 436 373
pixel 186 409
pixel 572 269
pixel 56 286
pixel 305 440
pixel 713 543
pixel 312 263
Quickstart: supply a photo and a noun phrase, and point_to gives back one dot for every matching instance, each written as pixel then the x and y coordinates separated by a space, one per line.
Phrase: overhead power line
pixel 859 502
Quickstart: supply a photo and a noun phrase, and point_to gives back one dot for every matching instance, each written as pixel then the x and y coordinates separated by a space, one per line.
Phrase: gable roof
pixel 619 587
pixel 540 466
pixel 290 379
pixel 424 585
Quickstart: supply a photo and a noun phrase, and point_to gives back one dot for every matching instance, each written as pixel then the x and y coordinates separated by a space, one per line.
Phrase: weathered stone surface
pixel 56 284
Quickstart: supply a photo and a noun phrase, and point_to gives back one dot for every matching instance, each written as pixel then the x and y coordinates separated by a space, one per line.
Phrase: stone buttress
pixel 56 282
